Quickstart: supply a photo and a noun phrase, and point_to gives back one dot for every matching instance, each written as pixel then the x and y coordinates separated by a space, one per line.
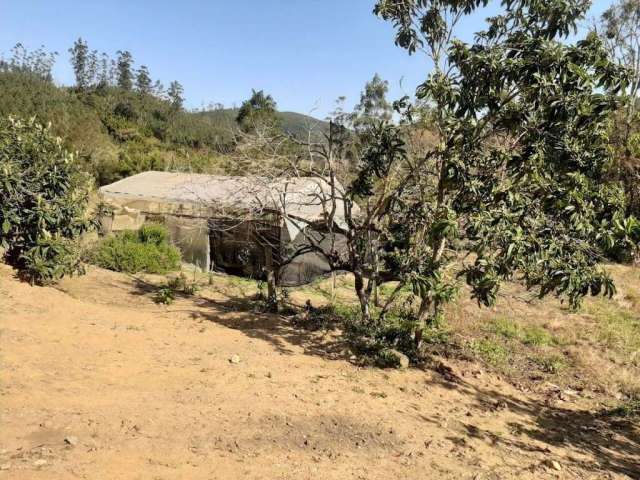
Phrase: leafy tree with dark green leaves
pixel 518 177
pixel 43 201
pixel 258 112
pixel 143 81
pixel 176 95
pixel 124 67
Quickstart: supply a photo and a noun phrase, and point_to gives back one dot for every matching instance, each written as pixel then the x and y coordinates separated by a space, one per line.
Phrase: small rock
pixel 353 358
pixel 234 359
pixel 40 463
pixel 403 360
pixel 555 465
pixel 5 466
pixel 71 440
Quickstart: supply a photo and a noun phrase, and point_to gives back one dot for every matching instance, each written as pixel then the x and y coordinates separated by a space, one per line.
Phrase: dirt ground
pixel 99 382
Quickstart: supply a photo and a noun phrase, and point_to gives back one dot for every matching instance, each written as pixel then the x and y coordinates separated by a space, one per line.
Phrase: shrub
pixel 165 295
pixel 43 200
pixel 628 409
pixel 153 233
pixel 176 286
pixel 146 250
pixel 377 341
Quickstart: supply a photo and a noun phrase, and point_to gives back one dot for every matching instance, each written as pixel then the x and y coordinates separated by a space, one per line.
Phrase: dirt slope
pixel 141 391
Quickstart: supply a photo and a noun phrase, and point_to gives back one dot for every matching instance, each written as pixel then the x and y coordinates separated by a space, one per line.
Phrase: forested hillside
pixel 120 122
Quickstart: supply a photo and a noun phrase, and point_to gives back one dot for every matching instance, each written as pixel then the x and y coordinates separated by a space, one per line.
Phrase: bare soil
pixel 99 382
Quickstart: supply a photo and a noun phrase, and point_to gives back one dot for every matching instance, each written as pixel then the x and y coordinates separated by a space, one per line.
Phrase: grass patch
pixel 617 329
pixel 529 335
pixel 491 351
pixel 551 363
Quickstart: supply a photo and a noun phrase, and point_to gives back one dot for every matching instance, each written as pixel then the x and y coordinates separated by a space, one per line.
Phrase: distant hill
pixel 118 133
pixel 296 124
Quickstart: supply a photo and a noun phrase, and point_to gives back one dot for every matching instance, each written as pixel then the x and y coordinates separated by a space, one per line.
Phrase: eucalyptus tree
pixel 373 105
pixel 143 81
pixel 175 93
pixel 80 62
pixel 124 70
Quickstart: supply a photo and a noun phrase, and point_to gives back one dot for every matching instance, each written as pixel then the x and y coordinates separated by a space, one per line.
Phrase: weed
pixel 165 295
pixel 530 335
pixel 492 352
pixel 618 329
pixel 628 409
pixel 551 363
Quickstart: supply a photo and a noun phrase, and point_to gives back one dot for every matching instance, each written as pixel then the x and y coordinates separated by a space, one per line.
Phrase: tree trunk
pixel 423 315
pixel 362 297
pixel 272 298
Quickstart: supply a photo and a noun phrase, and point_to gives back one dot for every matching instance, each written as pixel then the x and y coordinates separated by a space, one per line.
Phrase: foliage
pixel 175 94
pixel 124 69
pixel 43 199
pixel 373 106
pixel 143 81
pixel 37 64
pixel 146 250
pixel 619 27
pixel 118 130
pixel 517 177
pixel 395 331
pixel 257 112
pixel 176 286
pixel 520 173
pixel 165 295
pixel 628 409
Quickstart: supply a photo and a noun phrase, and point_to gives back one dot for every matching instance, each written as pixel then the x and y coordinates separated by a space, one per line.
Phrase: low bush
pixel 627 409
pixel 174 287
pixel 374 341
pixel 146 250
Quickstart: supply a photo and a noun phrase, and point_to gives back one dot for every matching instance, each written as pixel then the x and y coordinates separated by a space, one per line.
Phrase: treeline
pixel 94 70
pixel 118 119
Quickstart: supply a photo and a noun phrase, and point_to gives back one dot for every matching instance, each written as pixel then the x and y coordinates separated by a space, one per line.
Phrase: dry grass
pixel 530 341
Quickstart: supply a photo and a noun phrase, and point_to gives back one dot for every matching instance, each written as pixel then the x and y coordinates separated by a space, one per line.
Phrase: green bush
pixel 145 250
pixel 153 233
pixel 43 200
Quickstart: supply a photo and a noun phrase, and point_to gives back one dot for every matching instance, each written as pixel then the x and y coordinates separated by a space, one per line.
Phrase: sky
pixel 305 53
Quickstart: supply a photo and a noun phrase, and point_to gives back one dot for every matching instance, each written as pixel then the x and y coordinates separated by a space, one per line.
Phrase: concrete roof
pixel 305 198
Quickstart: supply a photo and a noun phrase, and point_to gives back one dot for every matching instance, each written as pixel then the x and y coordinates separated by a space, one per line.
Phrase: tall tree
pixel 620 26
pixel 104 71
pixel 520 170
pixel 373 105
pixel 143 81
pixel 258 112
pixel 158 89
pixel 80 63
pixel 175 94
pixel 124 67
pixel 620 29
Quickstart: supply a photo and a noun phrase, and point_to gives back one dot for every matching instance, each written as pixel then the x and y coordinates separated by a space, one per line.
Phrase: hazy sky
pixel 305 53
